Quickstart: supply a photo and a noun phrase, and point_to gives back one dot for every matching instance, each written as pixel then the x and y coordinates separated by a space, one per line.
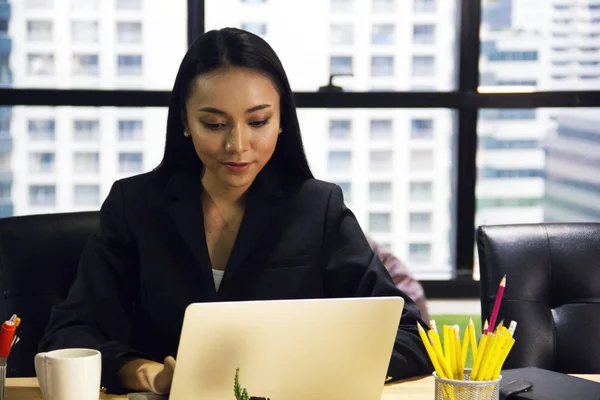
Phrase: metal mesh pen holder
pixel 2 380
pixel 449 389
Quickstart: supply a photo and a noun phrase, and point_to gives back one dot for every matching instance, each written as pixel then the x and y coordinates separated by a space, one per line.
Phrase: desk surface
pixel 414 389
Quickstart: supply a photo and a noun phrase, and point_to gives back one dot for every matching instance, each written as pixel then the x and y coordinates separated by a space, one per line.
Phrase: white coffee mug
pixel 69 374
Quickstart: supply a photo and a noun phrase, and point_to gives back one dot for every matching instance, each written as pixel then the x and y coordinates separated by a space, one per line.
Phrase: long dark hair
pixel 234 47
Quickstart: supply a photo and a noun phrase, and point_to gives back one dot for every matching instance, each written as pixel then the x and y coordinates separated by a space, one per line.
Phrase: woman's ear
pixel 184 121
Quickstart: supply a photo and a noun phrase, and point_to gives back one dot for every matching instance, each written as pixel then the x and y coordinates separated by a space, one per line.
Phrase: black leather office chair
pixel 552 291
pixel 39 255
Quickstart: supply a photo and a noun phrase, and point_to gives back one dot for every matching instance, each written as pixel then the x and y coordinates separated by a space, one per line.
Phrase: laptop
pixel 330 349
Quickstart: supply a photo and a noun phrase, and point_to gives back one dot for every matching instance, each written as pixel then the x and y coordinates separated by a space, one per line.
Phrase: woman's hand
pixel 146 375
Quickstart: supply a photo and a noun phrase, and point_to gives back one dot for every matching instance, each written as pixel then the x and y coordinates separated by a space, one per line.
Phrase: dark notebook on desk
pixel 541 384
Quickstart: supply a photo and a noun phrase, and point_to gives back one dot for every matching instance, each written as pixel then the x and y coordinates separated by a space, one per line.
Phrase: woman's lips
pixel 238 166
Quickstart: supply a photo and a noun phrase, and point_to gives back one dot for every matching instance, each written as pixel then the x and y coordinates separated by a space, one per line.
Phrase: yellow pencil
pixel 500 346
pixel 438 351
pixel 487 355
pixel 477 361
pixel 447 350
pixel 473 340
pixel 460 365
pixel 465 347
pixel 503 355
pixel 430 352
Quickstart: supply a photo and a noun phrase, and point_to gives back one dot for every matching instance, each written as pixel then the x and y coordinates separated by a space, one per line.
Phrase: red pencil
pixel 497 303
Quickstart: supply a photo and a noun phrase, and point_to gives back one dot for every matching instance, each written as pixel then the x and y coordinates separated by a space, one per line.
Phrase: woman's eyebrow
pixel 213 110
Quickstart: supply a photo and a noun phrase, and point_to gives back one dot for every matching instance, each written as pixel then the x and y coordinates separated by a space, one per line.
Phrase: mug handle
pixel 40 371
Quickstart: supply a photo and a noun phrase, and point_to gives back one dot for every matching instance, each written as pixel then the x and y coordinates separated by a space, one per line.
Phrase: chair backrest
pixel 552 291
pixel 39 255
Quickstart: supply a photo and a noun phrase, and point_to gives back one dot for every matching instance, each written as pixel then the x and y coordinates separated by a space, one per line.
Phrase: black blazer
pixel 149 260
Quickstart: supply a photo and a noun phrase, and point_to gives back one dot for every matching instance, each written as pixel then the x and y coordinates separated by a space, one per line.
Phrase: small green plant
pixel 240 393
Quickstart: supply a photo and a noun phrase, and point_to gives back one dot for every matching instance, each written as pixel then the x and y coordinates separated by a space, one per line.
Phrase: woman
pixel 233 198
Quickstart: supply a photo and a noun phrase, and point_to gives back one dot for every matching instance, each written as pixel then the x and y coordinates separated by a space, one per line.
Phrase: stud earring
pixel 186 134
pixel 280 130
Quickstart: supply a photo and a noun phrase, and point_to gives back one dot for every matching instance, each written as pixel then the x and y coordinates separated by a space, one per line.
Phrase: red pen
pixel 7 334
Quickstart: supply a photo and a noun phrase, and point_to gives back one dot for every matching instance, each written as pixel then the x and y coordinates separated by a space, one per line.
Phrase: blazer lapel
pixel 185 208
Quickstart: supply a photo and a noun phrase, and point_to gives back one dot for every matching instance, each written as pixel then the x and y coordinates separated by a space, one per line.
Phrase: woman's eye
pixel 213 127
pixel 258 124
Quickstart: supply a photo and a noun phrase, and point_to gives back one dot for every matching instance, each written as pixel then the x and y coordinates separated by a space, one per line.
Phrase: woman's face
pixel 233 120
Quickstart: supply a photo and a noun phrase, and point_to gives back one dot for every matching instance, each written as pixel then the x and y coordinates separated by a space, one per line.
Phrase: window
pixel 421 160
pixel 384 6
pixel 129 4
pixel 340 129
pixel 508 202
pixel 41 163
pixel 589 63
pixel 129 65
pixel 42 195
pixel 507 113
pixel 129 32
pixel 382 66
pixel 254 1
pixel 38 3
pixel 5 192
pixel 130 130
pixel 561 63
pixel 86 195
pixel 84 32
pixel 419 253
pixel 423 34
pixel 84 4
pixel 342 34
pixel 86 162
pixel 86 130
pixel 380 191
pixel 493 143
pixel 380 222
pixel 85 64
pixel 130 162
pixel 41 64
pixel 423 65
pixel 421 129
pixel 340 161
pixel 420 222
pixel 340 65
pixel 39 31
pixel 381 129
pixel 421 191
pixel 382 34
pixel 259 29
pixel 341 6
pixel 346 190
pixel 589 49
pixel 4 26
pixel 41 129
pixel 424 5
pixel 381 160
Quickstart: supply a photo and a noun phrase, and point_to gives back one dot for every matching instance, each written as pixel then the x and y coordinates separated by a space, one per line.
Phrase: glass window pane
pixel 420 222
pixel 380 222
pixel 382 34
pixel 380 191
pixel 340 161
pixel 539 46
pixel 372 161
pixel 421 128
pixel 419 253
pixel 372 39
pixel 129 32
pixel 62 43
pixel 65 159
pixel 381 160
pixel 86 195
pixel 382 66
pixel 381 129
pixel 384 6
pixel 342 34
pixel 340 129
pixel 86 163
pixel 84 32
pixel 257 28
pixel 39 31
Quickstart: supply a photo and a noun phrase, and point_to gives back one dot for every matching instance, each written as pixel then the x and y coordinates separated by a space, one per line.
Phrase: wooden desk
pixel 414 389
